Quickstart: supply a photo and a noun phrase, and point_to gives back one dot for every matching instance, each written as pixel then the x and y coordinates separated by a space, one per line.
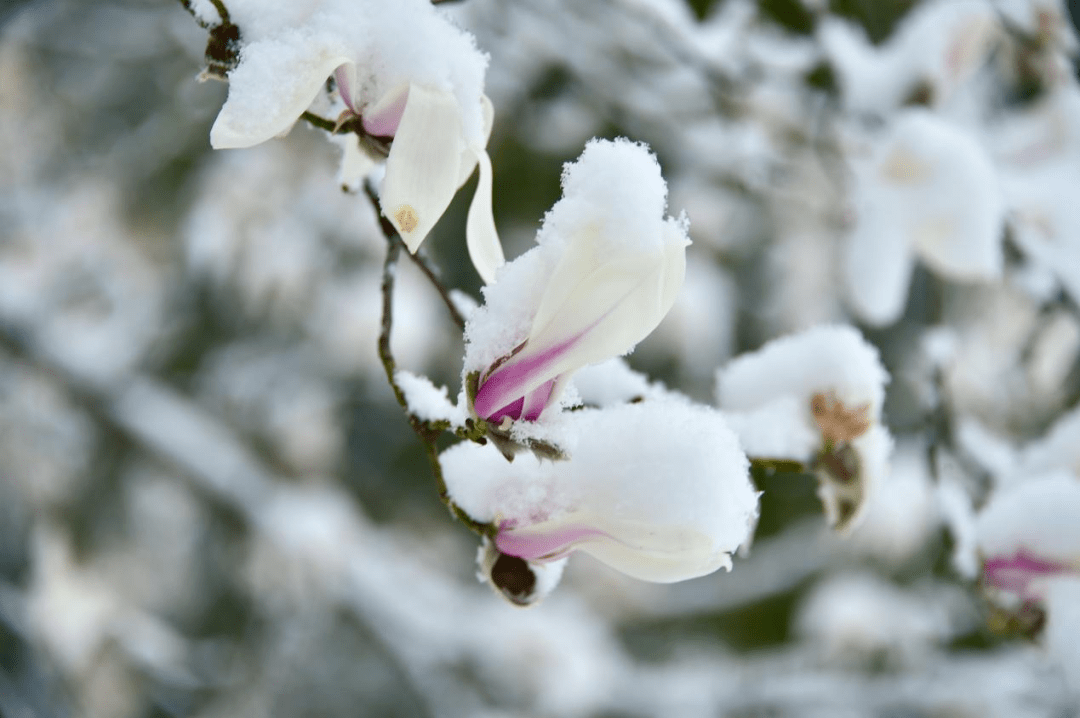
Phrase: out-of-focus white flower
pixel 429 106
pixel 606 272
pixel 1038 153
pixel 1029 534
pixel 852 618
pixel 934 51
pixel 659 490
pixel 926 190
pixel 1029 537
pixel 814 397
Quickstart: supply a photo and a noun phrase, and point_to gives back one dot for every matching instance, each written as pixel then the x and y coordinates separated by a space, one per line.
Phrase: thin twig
pixel 424 431
pixel 783 466
pixel 321 122
pixel 420 260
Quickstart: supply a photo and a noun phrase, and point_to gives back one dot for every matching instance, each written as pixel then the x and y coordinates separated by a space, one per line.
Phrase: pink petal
pixel 544 546
pixel 383 121
pixel 1017 573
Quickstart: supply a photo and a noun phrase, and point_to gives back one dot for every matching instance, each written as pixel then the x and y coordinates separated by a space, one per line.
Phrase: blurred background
pixel 210 504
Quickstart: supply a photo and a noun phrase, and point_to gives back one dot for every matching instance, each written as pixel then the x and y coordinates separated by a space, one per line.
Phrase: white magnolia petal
pixel 948 195
pixel 659 490
pixel 878 269
pixel 383 118
pixel 482 238
pixel 610 308
pixel 642 550
pixel 1063 625
pixel 345 78
pixel 488 114
pixel 470 154
pixel 674 269
pixel 252 115
pixel 593 309
pixel 604 314
pixel 422 169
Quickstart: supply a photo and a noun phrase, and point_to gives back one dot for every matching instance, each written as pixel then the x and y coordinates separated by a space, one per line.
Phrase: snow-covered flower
pixel 606 271
pixel 814 397
pixel 412 79
pixel 926 189
pixel 1029 538
pixel 1029 535
pixel 659 490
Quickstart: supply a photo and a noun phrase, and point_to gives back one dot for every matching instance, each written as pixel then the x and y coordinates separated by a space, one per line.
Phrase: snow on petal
pixel 1037 517
pixel 659 490
pixel 783 376
pixel 274 83
pixel 815 397
pixel 606 272
pixel 925 188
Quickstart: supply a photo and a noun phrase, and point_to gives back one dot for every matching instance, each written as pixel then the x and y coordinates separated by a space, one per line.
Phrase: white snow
pixel 1041 515
pixel 786 372
pixel 606 269
pixel 286 46
pixel 925 189
pixel 427 401
pixel 652 468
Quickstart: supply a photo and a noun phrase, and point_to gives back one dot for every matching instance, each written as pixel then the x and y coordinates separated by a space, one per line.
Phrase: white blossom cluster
pixel 806 309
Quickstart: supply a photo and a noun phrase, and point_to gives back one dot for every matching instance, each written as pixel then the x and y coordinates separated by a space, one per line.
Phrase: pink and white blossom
pixel 658 490
pixel 413 79
pixel 606 271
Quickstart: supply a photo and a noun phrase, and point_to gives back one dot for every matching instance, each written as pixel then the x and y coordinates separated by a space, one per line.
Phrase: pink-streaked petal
pixel 536 400
pixel 544 546
pixel 515 379
pixel 1018 573
pixel 383 118
pixel 345 78
pixel 512 410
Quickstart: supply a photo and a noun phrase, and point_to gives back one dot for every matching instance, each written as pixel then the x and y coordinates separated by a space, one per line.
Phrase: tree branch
pixel 420 260
pixel 223 13
pixel 425 431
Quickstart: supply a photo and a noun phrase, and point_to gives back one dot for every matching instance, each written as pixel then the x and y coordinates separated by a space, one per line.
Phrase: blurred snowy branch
pixel 210 504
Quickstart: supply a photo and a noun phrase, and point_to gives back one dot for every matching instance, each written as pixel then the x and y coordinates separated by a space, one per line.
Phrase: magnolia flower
pixel 429 106
pixel 606 271
pixel 1029 535
pixel 659 490
pixel 925 190
pixel 816 398
pixel 930 56
pixel 1029 538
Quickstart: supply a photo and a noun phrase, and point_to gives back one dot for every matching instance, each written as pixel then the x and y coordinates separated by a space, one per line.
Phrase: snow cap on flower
pixel 926 189
pixel 606 271
pixel 814 397
pixel 768 395
pixel 659 490
pixel 402 68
